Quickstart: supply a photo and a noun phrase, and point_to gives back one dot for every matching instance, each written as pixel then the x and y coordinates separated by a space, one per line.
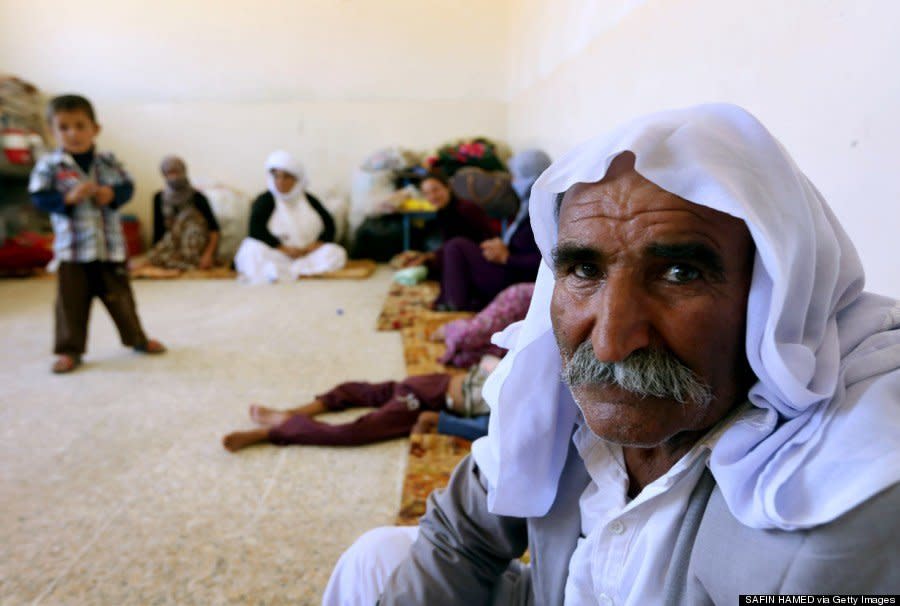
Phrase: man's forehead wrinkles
pixel 615 200
pixel 592 210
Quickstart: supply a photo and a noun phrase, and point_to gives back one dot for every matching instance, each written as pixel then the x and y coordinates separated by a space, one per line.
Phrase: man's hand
pixel 495 251
pixel 77 194
pixel 292 251
pixel 104 195
pixel 418 258
pixel 312 247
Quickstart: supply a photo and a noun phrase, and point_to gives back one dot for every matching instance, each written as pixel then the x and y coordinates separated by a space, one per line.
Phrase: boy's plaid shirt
pixel 87 232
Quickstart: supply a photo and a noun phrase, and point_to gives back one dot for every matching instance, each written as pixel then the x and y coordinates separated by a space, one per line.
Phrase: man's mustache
pixel 646 372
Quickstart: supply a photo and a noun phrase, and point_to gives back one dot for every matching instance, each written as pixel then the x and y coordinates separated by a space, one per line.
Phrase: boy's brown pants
pixel 78 284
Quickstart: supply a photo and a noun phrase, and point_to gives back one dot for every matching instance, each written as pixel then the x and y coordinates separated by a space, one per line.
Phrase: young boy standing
pixel 82 190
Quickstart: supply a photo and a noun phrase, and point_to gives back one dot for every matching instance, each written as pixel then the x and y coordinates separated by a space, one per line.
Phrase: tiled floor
pixel 114 488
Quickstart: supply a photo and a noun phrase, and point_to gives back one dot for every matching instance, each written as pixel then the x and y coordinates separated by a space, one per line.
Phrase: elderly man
pixel 728 416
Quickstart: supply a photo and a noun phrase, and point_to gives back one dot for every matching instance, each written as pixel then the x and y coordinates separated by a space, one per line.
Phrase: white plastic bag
pixel 231 208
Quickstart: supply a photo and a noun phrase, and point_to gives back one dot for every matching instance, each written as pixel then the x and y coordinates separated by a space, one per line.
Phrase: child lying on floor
pixel 418 404
pixel 468 339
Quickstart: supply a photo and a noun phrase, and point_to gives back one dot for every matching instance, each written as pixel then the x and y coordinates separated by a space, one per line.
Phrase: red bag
pixel 131 229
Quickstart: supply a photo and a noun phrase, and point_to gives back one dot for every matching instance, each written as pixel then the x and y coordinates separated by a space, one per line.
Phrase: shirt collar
pixel 598 453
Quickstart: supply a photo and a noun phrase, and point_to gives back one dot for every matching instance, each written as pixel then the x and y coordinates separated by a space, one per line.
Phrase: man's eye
pixel 680 274
pixel 585 271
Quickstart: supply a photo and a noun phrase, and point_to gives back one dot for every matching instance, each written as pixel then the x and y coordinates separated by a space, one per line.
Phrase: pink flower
pixel 474 150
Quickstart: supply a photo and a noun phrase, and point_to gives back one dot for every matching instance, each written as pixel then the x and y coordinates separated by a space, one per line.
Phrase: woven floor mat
pixel 420 352
pixel 358 269
pixel 404 303
pixel 432 458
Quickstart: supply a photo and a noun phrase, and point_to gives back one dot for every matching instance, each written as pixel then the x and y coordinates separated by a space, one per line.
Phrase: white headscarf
pixel 825 435
pixel 525 167
pixel 294 221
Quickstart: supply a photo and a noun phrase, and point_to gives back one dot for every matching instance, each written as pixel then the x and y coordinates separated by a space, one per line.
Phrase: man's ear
pixel 97 129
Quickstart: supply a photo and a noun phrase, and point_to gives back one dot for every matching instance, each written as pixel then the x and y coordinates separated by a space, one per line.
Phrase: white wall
pixel 821 74
pixel 224 82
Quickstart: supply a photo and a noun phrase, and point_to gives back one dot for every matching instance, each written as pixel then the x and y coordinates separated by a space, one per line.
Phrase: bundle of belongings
pixel 21 126
pixel 231 208
pixel 374 195
pixel 386 185
pixel 24 247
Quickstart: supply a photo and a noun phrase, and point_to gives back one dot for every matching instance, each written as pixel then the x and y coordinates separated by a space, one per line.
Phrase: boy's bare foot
pixel 65 363
pixel 152 347
pixel 238 440
pixel 267 417
pixel 135 263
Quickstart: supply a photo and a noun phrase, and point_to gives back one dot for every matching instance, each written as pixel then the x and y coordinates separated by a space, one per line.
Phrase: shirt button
pixel 604 600
pixel 616 527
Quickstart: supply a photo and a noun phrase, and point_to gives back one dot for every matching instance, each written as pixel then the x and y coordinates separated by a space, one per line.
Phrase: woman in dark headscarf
pixel 473 274
pixel 185 231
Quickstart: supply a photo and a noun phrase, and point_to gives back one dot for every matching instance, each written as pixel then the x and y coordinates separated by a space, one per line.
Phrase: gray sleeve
pixel 859 553
pixel 462 550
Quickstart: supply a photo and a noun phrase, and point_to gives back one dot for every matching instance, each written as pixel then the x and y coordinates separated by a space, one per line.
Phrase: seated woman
pixel 185 231
pixel 468 339
pixel 456 220
pixel 473 274
pixel 291 234
pixel 450 404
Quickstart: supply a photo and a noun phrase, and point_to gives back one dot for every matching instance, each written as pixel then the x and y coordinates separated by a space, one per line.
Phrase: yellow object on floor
pixel 418 205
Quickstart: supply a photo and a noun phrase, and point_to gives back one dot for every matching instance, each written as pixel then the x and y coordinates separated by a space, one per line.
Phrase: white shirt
pixel 626 546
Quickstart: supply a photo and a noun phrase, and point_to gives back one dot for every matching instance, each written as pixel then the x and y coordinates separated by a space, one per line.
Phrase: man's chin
pixel 621 417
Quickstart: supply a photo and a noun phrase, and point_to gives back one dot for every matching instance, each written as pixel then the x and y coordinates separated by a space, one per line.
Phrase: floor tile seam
pixel 267 490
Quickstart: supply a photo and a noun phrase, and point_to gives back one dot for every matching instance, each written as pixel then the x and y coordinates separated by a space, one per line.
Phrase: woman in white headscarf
pixel 291 234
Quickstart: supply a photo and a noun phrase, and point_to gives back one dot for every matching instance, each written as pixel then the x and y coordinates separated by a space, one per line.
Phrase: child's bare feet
pixel 267 417
pixel 238 440
pixel 65 363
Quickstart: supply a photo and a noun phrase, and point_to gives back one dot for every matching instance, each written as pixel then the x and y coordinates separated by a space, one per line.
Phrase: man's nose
pixel 621 319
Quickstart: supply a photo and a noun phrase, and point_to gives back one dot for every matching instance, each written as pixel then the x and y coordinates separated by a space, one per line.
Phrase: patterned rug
pixel 432 458
pixel 404 303
pixel 358 269
pixel 155 273
pixel 420 352
pixel 355 269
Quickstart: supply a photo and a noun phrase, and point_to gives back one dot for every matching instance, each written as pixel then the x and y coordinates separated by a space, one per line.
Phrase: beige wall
pixel 822 75
pixel 225 82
